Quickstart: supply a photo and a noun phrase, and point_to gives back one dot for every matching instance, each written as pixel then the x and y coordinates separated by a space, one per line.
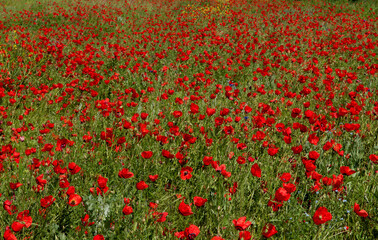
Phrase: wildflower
pixel 241 224
pixel 47 201
pixel 185 209
pixel 74 200
pixel 141 185
pixel 153 178
pixel 321 216
pixel 98 237
pixel 255 170
pixel 186 173
pixel 360 212
pixel 127 210
pixel 199 202
pixel 245 235
pixel 269 230
pixel 74 168
pixel 346 170
pixel 272 151
pixel 147 154
pixel 191 232
pixel 281 195
pixel 125 173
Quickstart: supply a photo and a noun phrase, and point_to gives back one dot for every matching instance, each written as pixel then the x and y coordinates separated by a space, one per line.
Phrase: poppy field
pixel 168 119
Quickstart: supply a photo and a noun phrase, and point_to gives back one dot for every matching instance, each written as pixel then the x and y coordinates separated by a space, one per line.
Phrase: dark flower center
pixel 192 236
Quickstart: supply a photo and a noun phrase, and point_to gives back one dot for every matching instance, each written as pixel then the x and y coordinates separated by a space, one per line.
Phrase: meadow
pixel 191 119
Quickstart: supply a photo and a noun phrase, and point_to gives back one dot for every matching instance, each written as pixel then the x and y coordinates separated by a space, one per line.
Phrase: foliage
pixel 164 119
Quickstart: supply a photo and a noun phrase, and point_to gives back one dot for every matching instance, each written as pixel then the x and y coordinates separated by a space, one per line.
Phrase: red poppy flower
pixel 222 170
pixel 241 224
pixel 350 127
pixel 224 112
pixel 153 206
pixel 180 235
pixel 247 109
pixel 327 146
pixel 47 148
pixel 297 149
pixel 337 181
pixel 62 143
pixel 101 181
pixel 194 108
pixel 210 111
pixel 191 232
pixel 167 154
pixel 207 160
pixel 40 180
pixel 102 187
pixel 179 156
pixel 233 188
pixel 185 173
pixel 287 139
pixel 177 114
pixel 346 170
pixel 141 185
pixel 70 190
pixel 185 209
pixel 57 168
pixel 217 238
pixel 144 115
pixel 285 177
pixel 47 201
pixel 74 200
pixel 127 210
pixel 8 235
pixel 308 165
pixel 361 213
pixel 241 146
pixel 125 173
pixel 241 160
pixel 63 182
pixel 14 186
pixel 315 175
pixel 269 230
pixel 25 218
pixel 289 187
pixel 199 202
pixel 295 112
pixel 281 195
pixel 162 217
pixel 98 237
pixel 228 130
pixel 85 221
pixel 272 151
pixel 313 139
pixel 327 181
pixel 374 158
pixel 255 170
pixel 321 216
pixel 17 226
pixel 153 178
pixel 121 140
pixel 147 154
pixel 313 155
pixel 245 235
pixel 74 168
pixel 11 209
pixel 275 205
pixel 337 147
